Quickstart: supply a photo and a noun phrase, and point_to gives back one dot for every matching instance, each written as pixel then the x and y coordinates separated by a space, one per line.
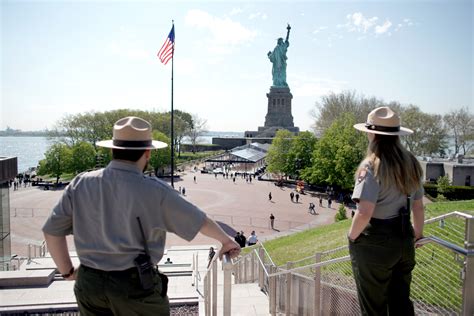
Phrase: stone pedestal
pixel 279 108
pixel 278 114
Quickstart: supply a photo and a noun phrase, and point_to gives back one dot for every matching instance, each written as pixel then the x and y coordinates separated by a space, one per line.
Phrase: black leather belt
pixel 129 271
pixel 386 221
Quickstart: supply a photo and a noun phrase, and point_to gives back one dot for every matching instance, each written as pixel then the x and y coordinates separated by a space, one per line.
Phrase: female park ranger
pixel 382 238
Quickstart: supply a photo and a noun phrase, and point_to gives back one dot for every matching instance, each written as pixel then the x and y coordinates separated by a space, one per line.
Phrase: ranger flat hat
pixel 383 121
pixel 132 133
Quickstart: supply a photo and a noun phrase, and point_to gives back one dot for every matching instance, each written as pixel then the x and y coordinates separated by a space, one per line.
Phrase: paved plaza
pixel 241 206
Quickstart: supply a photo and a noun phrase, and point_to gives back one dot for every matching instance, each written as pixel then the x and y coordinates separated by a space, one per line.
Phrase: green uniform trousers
pixel 382 263
pixel 117 293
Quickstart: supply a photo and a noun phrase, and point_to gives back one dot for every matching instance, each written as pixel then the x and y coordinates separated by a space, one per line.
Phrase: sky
pixel 67 57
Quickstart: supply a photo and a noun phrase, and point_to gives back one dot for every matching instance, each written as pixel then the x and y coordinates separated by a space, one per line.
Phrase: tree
pixel 57 161
pixel 460 126
pixel 90 127
pixel 160 158
pixel 299 156
pixel 333 105
pixel 429 135
pixel 197 129
pixel 278 153
pixel 337 154
pixel 83 157
pixel 183 126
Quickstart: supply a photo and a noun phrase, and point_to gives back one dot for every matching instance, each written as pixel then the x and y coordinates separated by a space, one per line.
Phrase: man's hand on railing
pixel 230 247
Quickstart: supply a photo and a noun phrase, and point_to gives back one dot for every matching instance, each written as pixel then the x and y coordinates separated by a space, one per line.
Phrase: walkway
pixel 241 205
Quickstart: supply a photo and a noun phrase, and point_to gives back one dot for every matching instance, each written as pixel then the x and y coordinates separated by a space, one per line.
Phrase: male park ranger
pixel 109 211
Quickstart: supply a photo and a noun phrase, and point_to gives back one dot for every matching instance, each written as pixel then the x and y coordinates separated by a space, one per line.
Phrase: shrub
pixel 451 193
pixel 341 213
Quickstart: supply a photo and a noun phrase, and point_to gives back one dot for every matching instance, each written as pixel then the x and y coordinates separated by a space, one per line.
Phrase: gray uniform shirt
pixel 100 209
pixel 388 201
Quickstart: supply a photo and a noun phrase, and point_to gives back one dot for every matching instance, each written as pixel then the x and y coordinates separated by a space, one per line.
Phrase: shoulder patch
pixel 362 175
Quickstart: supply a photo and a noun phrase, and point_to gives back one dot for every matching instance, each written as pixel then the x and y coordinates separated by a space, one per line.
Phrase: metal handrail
pixel 327 252
pixel 430 239
pixel 266 252
pixel 446 244
pixel 261 262
pixel 455 213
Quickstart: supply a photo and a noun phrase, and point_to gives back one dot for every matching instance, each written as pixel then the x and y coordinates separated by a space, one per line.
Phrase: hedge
pixel 452 193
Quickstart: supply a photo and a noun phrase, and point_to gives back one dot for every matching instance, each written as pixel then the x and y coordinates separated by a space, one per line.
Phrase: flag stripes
pixel 167 50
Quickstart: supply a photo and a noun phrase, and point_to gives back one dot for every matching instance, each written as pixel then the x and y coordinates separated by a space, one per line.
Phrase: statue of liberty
pixel 278 59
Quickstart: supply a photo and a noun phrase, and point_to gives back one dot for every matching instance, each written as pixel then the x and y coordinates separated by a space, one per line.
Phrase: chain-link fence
pixel 323 284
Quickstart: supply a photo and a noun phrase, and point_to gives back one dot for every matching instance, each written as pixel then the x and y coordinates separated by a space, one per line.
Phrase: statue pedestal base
pixel 278 114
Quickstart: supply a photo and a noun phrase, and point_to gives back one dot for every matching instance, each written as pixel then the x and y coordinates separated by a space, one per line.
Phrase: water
pixel 28 150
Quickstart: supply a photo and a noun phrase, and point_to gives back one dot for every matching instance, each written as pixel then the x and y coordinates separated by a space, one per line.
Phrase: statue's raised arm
pixel 288 28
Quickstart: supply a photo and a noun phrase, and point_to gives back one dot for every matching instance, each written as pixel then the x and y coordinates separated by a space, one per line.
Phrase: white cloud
pixel 357 22
pixel 380 29
pixel 225 33
pixel 319 29
pixel 236 11
pixel 263 16
pixel 253 15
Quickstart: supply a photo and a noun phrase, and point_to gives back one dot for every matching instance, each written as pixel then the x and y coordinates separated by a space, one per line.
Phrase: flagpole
pixel 172 116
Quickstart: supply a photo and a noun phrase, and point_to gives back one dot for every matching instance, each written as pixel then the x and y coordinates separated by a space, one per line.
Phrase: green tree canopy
pixel 337 154
pixel 83 157
pixel 160 158
pixel 299 156
pixel 278 153
pixel 57 161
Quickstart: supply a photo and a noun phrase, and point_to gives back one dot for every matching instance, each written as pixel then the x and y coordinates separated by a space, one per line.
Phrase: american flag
pixel 167 50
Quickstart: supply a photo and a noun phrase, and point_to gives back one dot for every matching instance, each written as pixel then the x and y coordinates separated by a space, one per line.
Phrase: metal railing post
pixel 272 291
pixel 261 278
pixel 227 265
pixel 468 286
pixel 317 286
pixel 244 265
pixel 237 273
pixel 214 288
pixel 289 278
pixel 252 267
pixel 207 306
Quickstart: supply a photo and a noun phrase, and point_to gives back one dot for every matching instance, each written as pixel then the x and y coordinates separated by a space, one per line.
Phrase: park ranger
pixel 382 239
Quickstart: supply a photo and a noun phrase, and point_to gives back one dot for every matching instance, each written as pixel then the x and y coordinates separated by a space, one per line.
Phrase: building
pixel 248 158
pixel 8 171
pixel 459 173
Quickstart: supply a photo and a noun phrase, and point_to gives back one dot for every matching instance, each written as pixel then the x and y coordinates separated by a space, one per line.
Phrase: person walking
pixel 270 196
pixel 272 221
pixel 297 197
pixel 382 239
pixel 105 209
pixel 292 196
pixel 320 201
pixel 329 202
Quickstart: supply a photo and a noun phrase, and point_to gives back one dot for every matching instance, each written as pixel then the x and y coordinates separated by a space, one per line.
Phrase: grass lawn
pixel 437 285
pixel 300 245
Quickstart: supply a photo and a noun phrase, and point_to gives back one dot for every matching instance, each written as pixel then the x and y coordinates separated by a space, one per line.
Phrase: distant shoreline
pixel 23 134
